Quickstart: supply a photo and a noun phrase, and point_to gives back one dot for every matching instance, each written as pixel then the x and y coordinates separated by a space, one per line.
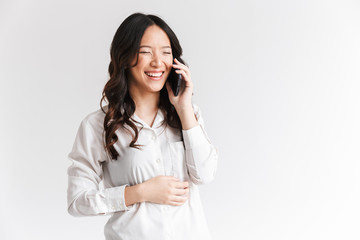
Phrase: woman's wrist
pixel 187 117
pixel 133 194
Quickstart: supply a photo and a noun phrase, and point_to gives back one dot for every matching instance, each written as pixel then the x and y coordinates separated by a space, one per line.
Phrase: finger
pixel 173 178
pixel 182 185
pixel 179 199
pixel 176 203
pixel 178 62
pixel 182 72
pixel 185 76
pixel 180 65
pixel 181 192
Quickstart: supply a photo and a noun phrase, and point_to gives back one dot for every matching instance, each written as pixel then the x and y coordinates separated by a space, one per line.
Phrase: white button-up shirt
pixel 96 183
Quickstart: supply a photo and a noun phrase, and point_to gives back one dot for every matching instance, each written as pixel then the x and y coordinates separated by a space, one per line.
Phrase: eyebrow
pixel 147 46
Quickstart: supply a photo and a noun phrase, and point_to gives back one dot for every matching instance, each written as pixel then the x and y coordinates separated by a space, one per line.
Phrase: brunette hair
pixel 120 108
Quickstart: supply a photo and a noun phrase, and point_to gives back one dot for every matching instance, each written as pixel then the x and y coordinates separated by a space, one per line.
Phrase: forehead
pixel 154 36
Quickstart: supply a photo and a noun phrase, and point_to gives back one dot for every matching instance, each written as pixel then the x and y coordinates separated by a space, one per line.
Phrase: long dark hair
pixel 124 48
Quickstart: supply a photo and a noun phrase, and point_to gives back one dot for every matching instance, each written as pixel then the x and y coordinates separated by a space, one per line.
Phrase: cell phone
pixel 175 81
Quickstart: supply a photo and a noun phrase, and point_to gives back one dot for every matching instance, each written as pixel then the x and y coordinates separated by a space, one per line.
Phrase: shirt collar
pixel 159 118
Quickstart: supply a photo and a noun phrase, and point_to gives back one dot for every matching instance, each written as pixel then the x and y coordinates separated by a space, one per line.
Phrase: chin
pixel 157 89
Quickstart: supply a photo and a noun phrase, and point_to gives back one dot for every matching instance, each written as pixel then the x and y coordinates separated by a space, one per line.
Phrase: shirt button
pixel 166 208
pixel 158 160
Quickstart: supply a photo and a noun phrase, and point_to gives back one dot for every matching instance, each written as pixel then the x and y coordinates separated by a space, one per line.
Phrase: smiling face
pixel 154 62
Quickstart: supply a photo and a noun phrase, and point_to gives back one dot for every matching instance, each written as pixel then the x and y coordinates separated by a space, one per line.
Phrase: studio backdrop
pixel 277 82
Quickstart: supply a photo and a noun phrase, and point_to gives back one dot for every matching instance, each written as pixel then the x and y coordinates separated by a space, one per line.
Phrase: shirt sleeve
pixel 85 196
pixel 201 156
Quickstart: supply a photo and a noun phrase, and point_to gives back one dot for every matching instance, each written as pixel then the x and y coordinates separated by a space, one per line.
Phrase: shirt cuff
pixel 194 137
pixel 116 198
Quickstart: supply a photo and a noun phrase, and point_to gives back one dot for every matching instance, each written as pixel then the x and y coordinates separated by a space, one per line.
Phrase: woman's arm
pixel 161 189
pixel 86 198
pixel 187 117
pixel 84 195
pixel 201 156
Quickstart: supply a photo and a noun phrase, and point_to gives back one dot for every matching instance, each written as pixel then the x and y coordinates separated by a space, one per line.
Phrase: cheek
pixel 136 72
pixel 142 59
pixel 169 63
pixel 138 69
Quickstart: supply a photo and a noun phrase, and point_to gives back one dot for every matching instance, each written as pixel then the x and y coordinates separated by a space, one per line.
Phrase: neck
pixel 145 102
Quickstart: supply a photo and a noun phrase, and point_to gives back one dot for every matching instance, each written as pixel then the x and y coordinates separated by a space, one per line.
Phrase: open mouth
pixel 155 75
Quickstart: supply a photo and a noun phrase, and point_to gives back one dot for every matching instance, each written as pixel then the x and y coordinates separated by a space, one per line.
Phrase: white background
pixel 278 84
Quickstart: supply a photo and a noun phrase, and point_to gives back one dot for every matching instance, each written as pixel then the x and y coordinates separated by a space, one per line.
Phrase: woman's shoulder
pixel 95 119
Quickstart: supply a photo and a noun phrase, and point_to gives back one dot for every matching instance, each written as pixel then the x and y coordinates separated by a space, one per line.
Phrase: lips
pixel 155 75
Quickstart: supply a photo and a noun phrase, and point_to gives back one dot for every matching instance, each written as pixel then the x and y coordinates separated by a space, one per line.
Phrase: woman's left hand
pixel 183 99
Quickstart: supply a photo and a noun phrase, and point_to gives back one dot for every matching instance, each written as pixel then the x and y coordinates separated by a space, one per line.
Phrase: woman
pixel 141 157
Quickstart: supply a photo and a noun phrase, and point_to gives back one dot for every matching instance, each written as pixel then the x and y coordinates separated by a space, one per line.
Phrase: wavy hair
pixel 124 48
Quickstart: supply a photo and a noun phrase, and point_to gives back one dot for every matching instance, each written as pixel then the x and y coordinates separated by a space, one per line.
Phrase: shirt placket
pixel 168 224
pixel 159 140
pixel 159 162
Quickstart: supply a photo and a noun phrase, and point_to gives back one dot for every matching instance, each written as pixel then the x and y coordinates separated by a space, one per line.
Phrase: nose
pixel 155 61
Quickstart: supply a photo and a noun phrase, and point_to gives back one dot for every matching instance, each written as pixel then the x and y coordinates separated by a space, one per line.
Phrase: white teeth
pixel 154 74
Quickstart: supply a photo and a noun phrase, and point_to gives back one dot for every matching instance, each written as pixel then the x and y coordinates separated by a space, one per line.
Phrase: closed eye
pixel 145 52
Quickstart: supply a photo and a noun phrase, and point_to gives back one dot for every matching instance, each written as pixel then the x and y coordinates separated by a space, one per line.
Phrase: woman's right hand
pixel 165 190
